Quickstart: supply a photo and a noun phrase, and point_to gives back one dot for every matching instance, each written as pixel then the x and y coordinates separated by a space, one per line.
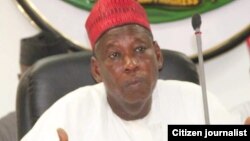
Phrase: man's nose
pixel 131 64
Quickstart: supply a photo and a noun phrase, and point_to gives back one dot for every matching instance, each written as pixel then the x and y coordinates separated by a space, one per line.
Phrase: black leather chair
pixel 52 77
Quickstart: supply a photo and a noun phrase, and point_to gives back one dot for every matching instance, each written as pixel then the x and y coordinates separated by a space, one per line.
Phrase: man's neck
pixel 129 111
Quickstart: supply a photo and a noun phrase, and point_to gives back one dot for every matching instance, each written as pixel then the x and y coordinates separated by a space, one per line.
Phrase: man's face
pixel 127 61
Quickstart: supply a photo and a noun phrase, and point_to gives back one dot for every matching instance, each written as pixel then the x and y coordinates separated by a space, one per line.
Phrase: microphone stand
pixel 202 76
pixel 196 22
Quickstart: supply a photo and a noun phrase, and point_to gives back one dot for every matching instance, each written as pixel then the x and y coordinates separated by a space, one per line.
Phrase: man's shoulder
pixel 177 83
pixel 93 89
pixel 175 88
pixel 81 97
pixel 8 130
pixel 86 92
pixel 179 98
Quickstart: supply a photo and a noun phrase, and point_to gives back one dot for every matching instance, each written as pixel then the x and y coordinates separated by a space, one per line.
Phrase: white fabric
pixel 86 115
pixel 243 109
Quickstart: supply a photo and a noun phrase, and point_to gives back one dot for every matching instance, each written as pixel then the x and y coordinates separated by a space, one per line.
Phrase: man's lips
pixel 134 82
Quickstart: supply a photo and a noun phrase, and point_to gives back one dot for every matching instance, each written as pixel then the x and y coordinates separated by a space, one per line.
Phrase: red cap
pixel 107 14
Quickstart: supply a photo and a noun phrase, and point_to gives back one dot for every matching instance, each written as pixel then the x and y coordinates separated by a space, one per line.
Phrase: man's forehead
pixel 134 29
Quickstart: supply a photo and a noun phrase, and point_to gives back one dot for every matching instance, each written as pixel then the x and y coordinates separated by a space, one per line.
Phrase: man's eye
pixel 114 55
pixel 140 49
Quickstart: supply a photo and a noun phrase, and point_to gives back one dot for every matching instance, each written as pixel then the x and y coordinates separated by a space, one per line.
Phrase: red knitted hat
pixel 107 14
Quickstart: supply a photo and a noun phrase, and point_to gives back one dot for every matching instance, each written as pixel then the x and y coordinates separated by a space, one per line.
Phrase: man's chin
pixel 136 98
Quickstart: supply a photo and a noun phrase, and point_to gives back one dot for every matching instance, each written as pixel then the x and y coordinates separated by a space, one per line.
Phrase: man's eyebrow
pixel 107 46
pixel 143 38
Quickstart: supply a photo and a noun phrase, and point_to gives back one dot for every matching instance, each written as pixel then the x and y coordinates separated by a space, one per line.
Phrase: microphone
pixel 196 23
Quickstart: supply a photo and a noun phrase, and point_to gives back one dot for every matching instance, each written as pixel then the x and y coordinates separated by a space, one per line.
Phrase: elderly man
pixel 129 103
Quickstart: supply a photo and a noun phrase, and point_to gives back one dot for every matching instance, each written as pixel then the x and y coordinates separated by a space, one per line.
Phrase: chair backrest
pixel 53 77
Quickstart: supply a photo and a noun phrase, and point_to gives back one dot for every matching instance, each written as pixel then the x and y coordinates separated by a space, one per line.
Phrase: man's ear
pixel 159 56
pixel 95 70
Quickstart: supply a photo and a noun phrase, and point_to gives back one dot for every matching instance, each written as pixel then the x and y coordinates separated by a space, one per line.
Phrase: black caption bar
pixel 208 132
